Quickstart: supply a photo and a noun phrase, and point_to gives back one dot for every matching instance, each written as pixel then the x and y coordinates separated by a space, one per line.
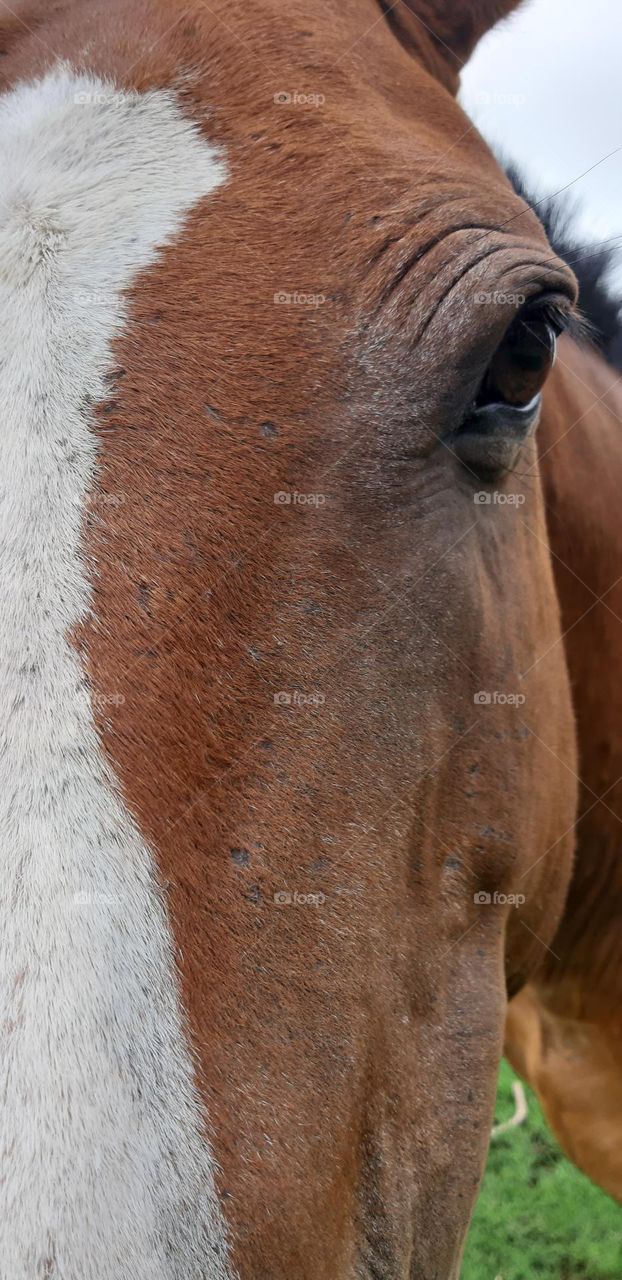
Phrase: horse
pixel 278 756
pixel 564 1033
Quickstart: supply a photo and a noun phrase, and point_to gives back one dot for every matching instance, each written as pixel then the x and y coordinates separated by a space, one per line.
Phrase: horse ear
pixel 444 33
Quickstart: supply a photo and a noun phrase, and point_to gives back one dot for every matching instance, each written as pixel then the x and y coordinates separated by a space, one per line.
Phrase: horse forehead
pixel 94 182
pixel 387 118
pixel 110 171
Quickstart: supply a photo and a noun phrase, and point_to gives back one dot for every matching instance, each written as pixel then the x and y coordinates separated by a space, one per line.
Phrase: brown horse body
pixel 565 1032
pixel 307 641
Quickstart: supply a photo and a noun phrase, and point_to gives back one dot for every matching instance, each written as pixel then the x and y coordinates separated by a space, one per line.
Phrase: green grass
pixel 537 1217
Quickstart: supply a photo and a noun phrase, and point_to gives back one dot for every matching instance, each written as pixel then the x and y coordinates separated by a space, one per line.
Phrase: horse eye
pixel 506 408
pixel 521 364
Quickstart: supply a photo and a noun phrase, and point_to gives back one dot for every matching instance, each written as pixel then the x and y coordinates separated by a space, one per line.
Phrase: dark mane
pixel 600 303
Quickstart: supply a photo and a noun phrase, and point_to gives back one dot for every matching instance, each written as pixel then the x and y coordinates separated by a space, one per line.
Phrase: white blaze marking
pixel 104 1171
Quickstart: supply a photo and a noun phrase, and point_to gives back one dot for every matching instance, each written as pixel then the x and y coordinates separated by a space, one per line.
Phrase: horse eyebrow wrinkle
pixel 422 251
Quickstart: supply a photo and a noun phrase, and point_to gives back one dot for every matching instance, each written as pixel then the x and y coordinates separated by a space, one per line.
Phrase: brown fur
pixel 565 1033
pixel 347 1052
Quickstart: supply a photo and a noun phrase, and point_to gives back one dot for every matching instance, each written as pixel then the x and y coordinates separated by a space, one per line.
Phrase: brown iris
pixel 521 364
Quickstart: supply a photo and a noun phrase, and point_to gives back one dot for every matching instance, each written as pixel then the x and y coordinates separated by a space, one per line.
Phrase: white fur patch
pixel 104 1170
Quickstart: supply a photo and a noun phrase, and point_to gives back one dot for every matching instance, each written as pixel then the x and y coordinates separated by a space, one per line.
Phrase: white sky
pixel 546 85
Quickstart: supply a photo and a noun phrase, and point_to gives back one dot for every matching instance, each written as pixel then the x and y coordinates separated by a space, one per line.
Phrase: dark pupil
pixel 520 367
